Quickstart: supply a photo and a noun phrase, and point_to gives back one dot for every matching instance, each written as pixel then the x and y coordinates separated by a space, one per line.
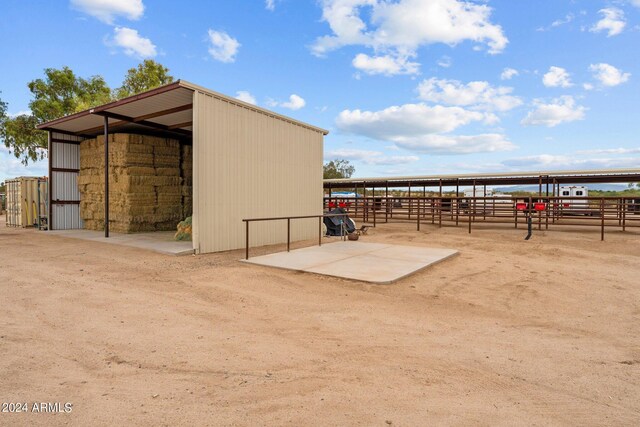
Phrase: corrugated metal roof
pixel 143 111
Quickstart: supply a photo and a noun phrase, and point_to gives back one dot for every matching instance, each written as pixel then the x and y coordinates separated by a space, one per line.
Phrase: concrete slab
pixel 368 262
pixel 158 241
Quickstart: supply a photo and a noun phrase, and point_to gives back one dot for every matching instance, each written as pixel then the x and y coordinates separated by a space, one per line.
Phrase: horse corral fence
pixel 621 213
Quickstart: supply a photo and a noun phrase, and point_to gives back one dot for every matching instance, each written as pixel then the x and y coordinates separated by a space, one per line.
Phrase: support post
pixel 106 176
pixel 474 204
pixel 319 231
pixel 50 183
pixel 457 199
pixel 386 202
pixel 246 235
pixel 602 219
pixel 440 205
pixel 418 215
pixel 288 234
pixel 484 202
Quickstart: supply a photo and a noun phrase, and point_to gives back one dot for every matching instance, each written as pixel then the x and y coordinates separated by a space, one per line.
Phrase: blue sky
pixel 406 87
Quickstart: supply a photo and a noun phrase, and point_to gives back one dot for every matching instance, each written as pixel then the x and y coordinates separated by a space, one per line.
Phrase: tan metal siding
pixel 248 164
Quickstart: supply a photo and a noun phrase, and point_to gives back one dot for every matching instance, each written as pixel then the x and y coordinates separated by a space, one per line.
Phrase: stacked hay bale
pixel 186 171
pixel 145 183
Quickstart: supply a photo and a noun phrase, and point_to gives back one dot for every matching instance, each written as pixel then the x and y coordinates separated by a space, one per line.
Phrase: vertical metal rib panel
pixel 66 156
pixel 248 164
pixel 66 217
pixel 64 184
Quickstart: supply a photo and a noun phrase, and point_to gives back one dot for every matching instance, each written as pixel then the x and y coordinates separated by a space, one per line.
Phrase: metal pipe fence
pixel 604 212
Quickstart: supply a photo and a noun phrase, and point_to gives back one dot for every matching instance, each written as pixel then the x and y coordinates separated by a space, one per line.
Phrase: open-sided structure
pixel 245 162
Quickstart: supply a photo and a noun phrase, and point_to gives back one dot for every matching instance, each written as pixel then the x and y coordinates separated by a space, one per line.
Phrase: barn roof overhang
pixel 166 110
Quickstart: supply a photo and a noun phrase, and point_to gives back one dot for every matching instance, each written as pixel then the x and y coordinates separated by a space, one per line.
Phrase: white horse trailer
pixel 484 202
pixel 574 206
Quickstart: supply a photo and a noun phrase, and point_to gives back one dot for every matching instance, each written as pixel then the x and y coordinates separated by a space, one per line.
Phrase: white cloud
pixel 387 65
pixel 551 161
pixel 370 157
pixel 246 96
pixel 405 120
pixel 133 43
pixel 400 28
pixel 295 102
pixel 611 150
pixel 559 22
pixel 108 10
pixel 270 5
pixel 477 95
pixel 418 127
pixel 608 75
pixel 508 73
pixel 445 62
pixel 556 77
pixel 560 110
pixel 612 22
pixel 635 3
pixel 587 86
pixel 223 48
pixel 456 144
pixel 11 167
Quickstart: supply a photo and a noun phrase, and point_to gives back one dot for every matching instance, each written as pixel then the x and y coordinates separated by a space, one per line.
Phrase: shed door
pixel 64 155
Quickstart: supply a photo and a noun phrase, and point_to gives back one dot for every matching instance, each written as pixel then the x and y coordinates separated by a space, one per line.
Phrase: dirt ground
pixel 544 332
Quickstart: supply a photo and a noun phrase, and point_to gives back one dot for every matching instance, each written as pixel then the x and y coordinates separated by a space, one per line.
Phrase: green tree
pixel 61 93
pixel 339 168
pixel 147 75
pixel 58 94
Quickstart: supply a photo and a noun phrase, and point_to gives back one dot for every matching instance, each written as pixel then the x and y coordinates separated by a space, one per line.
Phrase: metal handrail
pixel 288 219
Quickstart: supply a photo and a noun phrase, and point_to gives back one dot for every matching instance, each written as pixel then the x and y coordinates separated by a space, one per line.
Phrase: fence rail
pixel 603 212
pixel 288 219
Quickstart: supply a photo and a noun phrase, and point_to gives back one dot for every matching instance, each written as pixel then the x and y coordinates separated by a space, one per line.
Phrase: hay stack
pixel 146 187
pixel 184 230
pixel 186 171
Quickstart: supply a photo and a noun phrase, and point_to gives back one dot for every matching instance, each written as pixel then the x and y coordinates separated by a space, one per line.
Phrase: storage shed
pixel 181 148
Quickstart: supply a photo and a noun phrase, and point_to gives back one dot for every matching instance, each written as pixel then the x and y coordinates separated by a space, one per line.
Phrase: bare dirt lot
pixel 544 332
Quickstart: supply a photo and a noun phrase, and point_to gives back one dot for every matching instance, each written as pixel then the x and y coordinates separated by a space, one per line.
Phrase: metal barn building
pixel 248 162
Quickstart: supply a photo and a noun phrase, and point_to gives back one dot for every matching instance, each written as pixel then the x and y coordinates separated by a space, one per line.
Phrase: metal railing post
pixel 602 219
pixel 246 253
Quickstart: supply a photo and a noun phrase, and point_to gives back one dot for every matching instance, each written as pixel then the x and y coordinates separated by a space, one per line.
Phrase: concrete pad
pixel 158 241
pixel 368 262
